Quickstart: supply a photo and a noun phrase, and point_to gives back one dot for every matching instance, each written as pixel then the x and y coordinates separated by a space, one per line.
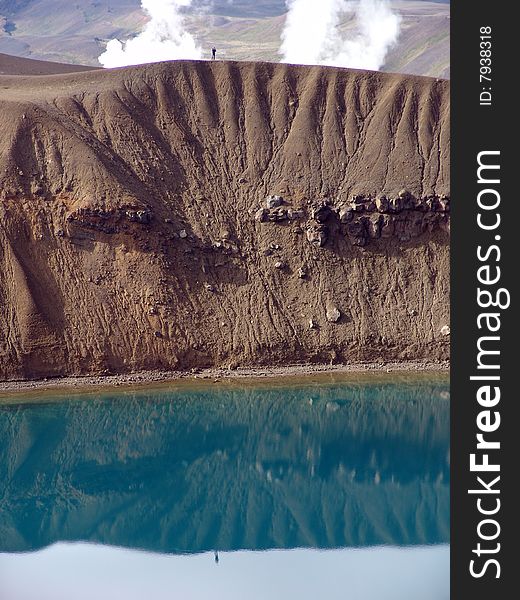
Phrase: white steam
pixel 312 35
pixel 163 38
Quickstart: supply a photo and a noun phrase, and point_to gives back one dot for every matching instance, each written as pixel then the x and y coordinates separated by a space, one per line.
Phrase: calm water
pixel 333 489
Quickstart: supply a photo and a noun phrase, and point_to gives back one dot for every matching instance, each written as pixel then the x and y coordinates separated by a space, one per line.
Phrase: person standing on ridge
pixel 213 53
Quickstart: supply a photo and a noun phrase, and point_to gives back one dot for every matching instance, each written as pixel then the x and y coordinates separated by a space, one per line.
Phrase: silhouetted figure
pixel 213 53
pixel 216 556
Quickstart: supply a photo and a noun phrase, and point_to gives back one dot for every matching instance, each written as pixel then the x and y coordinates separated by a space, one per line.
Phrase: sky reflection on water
pixel 90 572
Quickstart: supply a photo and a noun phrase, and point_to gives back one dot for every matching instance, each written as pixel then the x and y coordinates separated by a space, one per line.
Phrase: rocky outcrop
pixel 364 218
pixel 106 221
pixel 143 212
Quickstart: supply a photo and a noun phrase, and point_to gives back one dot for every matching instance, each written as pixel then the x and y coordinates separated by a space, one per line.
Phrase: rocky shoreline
pixel 253 374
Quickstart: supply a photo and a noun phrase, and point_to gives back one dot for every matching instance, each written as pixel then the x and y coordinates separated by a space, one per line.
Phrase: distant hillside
pixel 14 65
pixel 62 31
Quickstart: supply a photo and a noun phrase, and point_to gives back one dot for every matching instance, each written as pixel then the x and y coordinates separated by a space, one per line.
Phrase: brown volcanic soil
pixel 130 230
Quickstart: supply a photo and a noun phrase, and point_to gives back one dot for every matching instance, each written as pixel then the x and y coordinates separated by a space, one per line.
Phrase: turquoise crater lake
pixel 202 485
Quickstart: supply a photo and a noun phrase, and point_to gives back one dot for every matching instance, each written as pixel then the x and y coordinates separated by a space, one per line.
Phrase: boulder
pixel 396 205
pixel 405 195
pixel 295 213
pixel 438 203
pixel 369 205
pixel 321 212
pixel 277 214
pixel 346 214
pixel 356 206
pixel 317 234
pixel 382 203
pixel 139 216
pixel 421 204
pixel 273 201
pixel 261 215
pixel 435 204
pixel 333 314
pixel 373 225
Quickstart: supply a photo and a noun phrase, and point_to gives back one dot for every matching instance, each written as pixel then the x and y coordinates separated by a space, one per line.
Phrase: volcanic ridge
pixel 193 213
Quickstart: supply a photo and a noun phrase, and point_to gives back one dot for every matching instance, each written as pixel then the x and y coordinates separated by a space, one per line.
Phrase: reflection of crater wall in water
pixel 229 469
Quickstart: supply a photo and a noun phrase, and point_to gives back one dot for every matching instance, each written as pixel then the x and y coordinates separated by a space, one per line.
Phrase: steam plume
pixel 312 36
pixel 163 38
